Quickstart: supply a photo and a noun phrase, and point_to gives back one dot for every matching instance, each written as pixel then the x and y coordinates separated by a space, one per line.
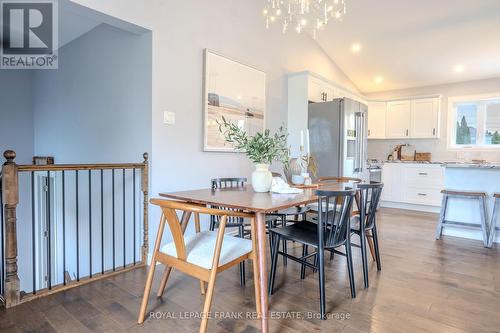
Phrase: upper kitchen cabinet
pixel 341 93
pixel 376 120
pixel 398 119
pixel 319 90
pixel 416 118
pixel 304 88
pixel 425 118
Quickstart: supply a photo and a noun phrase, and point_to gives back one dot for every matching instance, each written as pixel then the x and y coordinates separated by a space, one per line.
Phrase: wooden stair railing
pixel 12 295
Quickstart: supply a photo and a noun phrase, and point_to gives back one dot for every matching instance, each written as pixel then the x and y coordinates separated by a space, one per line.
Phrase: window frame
pixel 481 100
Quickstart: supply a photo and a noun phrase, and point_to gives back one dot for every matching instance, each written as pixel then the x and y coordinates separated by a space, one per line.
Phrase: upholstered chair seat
pixel 200 248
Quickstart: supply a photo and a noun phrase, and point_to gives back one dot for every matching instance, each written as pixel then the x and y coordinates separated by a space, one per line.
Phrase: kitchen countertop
pixel 453 164
pixel 414 162
pixel 473 165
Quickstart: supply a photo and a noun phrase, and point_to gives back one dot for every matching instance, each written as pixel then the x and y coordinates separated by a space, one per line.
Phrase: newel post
pixel 10 191
pixel 144 189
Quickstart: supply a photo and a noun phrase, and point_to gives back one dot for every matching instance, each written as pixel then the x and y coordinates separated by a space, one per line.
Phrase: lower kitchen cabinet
pixel 413 186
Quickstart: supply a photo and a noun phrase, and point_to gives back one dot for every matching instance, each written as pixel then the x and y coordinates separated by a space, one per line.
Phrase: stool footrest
pixel 462 224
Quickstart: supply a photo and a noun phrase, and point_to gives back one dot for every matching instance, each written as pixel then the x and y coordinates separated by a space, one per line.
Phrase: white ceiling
pixel 415 43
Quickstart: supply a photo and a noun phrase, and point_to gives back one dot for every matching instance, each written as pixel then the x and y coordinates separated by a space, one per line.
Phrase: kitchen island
pixel 470 177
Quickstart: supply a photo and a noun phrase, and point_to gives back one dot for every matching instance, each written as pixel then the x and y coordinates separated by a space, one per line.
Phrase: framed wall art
pixel 234 91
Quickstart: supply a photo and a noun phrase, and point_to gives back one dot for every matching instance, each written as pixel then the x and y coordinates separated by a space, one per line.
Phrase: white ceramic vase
pixel 262 178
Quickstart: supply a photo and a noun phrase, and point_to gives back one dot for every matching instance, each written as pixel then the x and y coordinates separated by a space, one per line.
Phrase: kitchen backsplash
pixel 380 149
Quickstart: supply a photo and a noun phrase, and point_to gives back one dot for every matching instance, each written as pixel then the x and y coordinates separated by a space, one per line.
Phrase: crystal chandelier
pixel 311 15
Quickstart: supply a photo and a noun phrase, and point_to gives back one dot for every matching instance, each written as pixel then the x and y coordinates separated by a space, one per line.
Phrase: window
pixel 492 128
pixel 474 122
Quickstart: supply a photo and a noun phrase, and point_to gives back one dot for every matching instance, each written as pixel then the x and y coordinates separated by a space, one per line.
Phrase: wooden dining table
pixel 260 204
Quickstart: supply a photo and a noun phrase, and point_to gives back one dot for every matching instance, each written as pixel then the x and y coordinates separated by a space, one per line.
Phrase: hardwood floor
pixel 451 285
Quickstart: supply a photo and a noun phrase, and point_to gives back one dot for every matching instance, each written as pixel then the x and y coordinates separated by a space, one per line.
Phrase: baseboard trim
pixel 407 206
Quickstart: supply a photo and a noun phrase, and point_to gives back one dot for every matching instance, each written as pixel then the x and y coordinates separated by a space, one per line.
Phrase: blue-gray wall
pixel 16 133
pixel 16 114
pixel 97 106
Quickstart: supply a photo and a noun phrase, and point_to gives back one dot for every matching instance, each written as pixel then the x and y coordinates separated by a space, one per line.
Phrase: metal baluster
pixel 64 224
pixel 2 279
pixel 33 247
pixel 77 231
pixel 102 222
pixel 113 207
pixel 124 220
pixel 90 223
pixel 133 205
pixel 49 255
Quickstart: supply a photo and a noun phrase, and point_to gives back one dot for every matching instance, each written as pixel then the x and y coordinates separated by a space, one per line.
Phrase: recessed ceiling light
pixel 379 79
pixel 459 68
pixel 356 47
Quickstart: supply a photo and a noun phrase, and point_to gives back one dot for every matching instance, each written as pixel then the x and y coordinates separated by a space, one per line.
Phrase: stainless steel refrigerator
pixel 338 138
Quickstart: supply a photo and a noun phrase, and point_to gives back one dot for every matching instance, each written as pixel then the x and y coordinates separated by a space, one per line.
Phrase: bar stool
pixel 479 196
pixel 494 218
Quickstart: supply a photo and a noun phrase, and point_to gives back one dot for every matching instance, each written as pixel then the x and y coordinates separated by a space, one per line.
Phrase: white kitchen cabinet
pixel 412 185
pixel 398 119
pixel 315 90
pixel 319 90
pixel 376 120
pixel 405 119
pixel 422 184
pixel 391 178
pixel 341 93
pixel 425 118
pixel 303 88
pixel 329 92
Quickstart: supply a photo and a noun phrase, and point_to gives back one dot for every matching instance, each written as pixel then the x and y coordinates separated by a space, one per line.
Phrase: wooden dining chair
pixel 232 221
pixel 202 255
pixel 339 179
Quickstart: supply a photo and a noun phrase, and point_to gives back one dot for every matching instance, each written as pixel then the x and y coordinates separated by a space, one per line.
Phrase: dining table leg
pixel 260 224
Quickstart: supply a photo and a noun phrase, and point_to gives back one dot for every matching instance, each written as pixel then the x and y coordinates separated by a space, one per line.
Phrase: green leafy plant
pixel 262 148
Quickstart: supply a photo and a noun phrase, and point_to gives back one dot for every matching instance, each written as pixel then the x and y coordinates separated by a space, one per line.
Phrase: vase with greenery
pixel 262 149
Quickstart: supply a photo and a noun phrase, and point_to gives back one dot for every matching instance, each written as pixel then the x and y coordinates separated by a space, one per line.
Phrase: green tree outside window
pixel 463 132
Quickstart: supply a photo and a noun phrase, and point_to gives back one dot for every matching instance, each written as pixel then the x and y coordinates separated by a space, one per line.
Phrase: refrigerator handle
pixel 357 124
pixel 362 143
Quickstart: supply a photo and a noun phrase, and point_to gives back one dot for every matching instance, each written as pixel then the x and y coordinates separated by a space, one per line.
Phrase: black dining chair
pixel 364 224
pixel 232 222
pixel 324 181
pixel 331 232
pixel 285 217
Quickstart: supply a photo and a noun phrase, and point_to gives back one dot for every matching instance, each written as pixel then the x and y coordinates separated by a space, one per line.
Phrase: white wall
pixel 379 149
pixel 16 115
pixel 181 30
